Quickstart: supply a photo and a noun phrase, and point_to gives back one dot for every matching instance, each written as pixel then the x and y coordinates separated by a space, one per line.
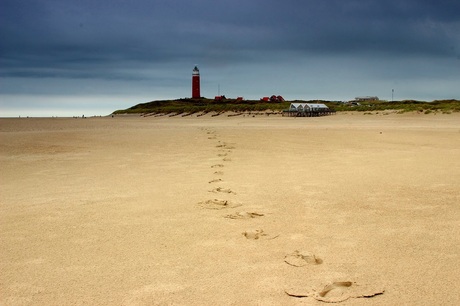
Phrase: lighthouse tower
pixel 196 83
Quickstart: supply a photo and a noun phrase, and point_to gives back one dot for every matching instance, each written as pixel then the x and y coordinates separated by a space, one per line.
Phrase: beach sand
pixel 263 210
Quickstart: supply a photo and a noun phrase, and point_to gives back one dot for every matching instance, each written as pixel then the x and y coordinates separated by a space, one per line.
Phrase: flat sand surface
pixel 351 208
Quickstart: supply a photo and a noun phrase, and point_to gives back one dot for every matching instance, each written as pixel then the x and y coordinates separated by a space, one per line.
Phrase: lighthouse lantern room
pixel 196 83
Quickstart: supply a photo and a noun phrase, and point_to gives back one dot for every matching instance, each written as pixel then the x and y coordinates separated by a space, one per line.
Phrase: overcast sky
pixel 74 57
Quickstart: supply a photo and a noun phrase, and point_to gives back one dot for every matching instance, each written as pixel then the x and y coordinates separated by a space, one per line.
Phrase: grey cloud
pixel 166 30
pixel 150 45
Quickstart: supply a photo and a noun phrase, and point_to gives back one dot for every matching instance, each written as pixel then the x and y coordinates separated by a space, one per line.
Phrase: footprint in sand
pixel 217 166
pixel 225 146
pixel 226 152
pixel 335 291
pixel 222 154
pixel 215 181
pixel 339 291
pixel 300 259
pixel 217 204
pixel 257 234
pixel 226 159
pixel 219 172
pixel 244 215
pixel 220 189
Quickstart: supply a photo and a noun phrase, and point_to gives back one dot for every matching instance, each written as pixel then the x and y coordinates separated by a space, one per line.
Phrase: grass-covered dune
pixel 202 105
pixel 207 105
pixel 444 106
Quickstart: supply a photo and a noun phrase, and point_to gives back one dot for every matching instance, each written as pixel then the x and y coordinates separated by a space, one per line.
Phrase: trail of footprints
pixel 331 292
pixel 224 151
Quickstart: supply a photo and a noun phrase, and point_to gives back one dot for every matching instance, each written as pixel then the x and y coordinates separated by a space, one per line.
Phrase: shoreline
pixel 236 114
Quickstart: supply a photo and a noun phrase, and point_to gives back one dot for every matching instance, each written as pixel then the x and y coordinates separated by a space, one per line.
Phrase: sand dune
pixel 241 210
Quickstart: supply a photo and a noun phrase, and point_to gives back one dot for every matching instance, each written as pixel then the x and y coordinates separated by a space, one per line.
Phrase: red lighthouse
pixel 196 83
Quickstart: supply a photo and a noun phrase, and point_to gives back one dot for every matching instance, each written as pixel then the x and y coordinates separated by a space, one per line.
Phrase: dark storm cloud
pixel 147 40
pixel 168 30
pixel 398 28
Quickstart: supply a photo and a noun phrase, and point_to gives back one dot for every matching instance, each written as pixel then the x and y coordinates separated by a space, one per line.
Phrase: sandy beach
pixel 264 210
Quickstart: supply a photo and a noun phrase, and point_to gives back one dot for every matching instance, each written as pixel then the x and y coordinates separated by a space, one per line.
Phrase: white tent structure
pixel 308 110
pixel 303 107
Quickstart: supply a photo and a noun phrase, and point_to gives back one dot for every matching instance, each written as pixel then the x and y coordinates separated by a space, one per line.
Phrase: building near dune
pixel 308 110
pixel 196 83
pixel 308 106
pixel 273 98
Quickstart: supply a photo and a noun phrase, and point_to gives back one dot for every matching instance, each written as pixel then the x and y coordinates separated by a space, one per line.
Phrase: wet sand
pixel 264 210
